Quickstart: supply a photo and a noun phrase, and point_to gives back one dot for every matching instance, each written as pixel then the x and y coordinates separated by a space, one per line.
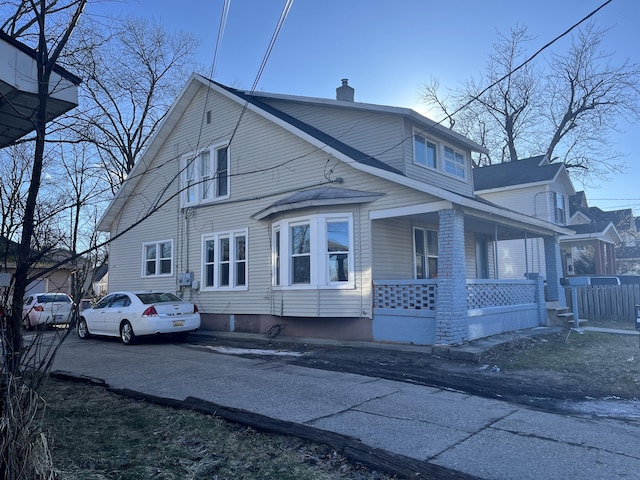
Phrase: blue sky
pixel 388 48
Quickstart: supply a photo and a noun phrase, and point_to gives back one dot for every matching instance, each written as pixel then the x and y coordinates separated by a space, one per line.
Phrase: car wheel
pixel 83 330
pixel 126 333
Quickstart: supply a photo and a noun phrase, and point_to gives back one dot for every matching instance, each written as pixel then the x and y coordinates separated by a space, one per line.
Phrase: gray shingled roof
pixel 520 172
pixel 318 196
pixel 328 140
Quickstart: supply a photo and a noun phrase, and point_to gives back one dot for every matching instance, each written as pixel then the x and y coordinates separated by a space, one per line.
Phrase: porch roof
pixel 605 232
pixel 317 197
pixel 19 90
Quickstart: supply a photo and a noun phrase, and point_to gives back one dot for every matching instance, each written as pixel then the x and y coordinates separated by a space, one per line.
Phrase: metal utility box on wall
pixel 185 279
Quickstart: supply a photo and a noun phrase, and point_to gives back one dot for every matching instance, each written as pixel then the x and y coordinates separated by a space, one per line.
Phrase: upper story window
pixel 157 258
pixel 424 152
pixel 559 209
pixel 432 154
pixel 205 177
pixel 454 162
pixel 314 251
pixel 224 260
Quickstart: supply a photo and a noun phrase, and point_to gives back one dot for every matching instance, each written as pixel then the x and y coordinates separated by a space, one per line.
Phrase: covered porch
pixel 441 284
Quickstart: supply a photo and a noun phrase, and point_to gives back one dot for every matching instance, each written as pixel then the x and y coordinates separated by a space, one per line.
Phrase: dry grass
pixel 98 435
pixel 599 362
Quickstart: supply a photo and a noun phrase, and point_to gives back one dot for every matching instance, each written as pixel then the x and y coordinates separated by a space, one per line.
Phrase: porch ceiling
pixel 500 230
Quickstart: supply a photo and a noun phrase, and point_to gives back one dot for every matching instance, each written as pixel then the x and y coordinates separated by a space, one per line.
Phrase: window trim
pixel 440 160
pixel 192 171
pixel 427 254
pixel 318 237
pixel 232 262
pixel 427 141
pixel 158 259
pixel 456 165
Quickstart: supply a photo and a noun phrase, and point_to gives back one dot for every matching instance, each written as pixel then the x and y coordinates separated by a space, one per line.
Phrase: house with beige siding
pixel 321 218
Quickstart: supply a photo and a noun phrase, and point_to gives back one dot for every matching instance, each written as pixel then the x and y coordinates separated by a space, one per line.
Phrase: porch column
pixel 553 262
pixel 451 302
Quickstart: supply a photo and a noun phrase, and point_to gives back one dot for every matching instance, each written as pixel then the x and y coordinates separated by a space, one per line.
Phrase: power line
pixel 272 42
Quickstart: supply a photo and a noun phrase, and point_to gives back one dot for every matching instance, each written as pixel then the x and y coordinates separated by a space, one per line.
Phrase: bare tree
pixel 131 74
pixel 23 451
pixel 566 109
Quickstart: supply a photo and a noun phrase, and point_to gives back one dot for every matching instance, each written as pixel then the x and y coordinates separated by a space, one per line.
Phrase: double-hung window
pixel 439 156
pixel 313 252
pixel 425 244
pixel 157 258
pixel 205 177
pixel 224 260
pixel 424 152
pixel 558 208
pixel 454 162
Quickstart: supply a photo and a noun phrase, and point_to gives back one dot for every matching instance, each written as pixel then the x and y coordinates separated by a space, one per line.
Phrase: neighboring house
pixel 329 218
pixel 18 101
pixel 592 250
pixel 100 283
pixel 19 90
pixel 58 280
pixel 544 190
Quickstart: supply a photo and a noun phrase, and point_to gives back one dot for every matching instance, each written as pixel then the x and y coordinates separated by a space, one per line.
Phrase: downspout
pixel 526 256
pixel 495 251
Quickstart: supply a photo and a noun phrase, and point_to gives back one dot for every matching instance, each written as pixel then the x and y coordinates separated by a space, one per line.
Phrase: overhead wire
pixel 283 16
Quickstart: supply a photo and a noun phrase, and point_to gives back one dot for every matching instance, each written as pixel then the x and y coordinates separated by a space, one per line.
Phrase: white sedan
pixel 46 309
pixel 133 314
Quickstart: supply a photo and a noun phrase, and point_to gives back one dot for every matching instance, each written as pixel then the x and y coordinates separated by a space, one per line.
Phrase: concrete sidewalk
pixel 457 434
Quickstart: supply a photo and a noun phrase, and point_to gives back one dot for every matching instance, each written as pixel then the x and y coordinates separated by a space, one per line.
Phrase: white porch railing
pixel 405 294
pixel 421 294
pixel 499 293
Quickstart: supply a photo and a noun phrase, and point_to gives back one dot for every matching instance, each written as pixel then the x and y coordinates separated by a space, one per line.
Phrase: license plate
pixel 178 323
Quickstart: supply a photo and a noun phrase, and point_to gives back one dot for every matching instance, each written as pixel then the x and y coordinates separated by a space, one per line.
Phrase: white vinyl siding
pixel 373 134
pixel 259 141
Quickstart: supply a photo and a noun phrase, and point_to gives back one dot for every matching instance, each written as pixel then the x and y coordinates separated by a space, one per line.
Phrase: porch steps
pixel 560 316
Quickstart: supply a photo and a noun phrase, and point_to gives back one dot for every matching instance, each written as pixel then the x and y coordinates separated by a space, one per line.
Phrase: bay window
pixel 313 252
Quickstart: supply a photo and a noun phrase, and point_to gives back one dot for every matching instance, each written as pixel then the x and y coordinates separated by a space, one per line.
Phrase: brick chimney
pixel 345 92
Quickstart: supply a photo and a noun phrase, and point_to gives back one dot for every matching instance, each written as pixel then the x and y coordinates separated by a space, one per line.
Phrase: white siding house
pixel 544 190
pixel 329 218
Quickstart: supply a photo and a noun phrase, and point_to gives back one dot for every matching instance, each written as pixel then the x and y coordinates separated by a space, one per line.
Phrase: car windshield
pixel 54 297
pixel 157 297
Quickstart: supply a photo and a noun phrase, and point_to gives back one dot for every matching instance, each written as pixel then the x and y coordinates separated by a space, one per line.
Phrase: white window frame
pixel 459 169
pixel 282 276
pixel 202 184
pixel 427 141
pixel 158 259
pixel 232 262
pixel 442 163
pixel 426 253
pixel 559 208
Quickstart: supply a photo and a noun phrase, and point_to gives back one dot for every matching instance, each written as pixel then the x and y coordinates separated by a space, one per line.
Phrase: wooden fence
pixel 607 302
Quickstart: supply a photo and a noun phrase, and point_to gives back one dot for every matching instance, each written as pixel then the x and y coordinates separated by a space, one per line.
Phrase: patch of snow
pixel 255 351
